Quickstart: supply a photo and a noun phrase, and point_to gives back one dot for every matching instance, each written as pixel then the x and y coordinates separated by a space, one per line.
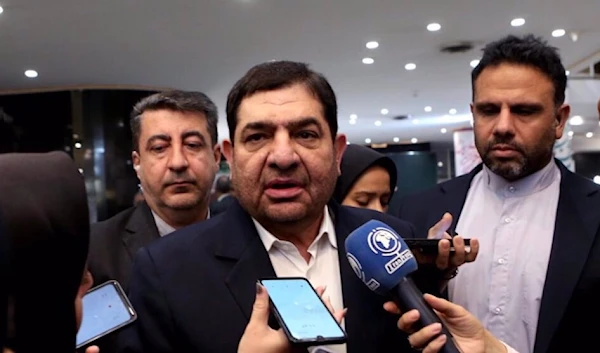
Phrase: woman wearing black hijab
pixel 368 179
pixel 43 205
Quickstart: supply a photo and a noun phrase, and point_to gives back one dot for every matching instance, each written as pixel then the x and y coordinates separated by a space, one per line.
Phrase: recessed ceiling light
pixel 589 134
pixel 368 61
pixel 410 66
pixel 443 130
pixel 1 9
pixel 570 133
pixel 378 123
pixel 367 140
pixel 567 72
pixel 396 139
pixel 353 116
pixel 384 111
pixel 352 122
pixel 78 145
pixel 414 140
pixel 415 121
pixel 372 45
pixel 558 33
pixel 432 27
pixel 428 109
pixel 596 179
pixel 31 73
pixel 347 142
pixel 576 120
pixel 474 63
pixel 517 22
pixel 452 111
pixel 440 164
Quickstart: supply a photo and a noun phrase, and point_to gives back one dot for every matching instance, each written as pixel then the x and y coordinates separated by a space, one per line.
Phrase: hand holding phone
pixel 105 310
pixel 303 316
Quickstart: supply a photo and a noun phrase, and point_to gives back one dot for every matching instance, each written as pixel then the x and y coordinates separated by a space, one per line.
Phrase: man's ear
pixel 562 115
pixel 339 144
pixel 217 156
pixel 135 159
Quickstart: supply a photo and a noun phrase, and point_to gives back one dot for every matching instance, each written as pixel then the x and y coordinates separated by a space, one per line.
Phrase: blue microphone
pixel 383 261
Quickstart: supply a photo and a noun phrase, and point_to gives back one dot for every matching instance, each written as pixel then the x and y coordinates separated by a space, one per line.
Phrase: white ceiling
pixel 207 45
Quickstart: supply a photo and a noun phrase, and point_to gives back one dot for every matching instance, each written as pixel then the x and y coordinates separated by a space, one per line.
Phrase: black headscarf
pixel 355 161
pixel 43 204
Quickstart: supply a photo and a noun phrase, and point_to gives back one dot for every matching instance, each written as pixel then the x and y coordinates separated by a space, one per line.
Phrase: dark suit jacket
pixel 194 289
pixel 115 241
pixel 220 206
pixel 572 286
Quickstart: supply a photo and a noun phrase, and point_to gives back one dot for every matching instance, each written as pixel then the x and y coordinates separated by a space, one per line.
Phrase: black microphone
pixel 383 261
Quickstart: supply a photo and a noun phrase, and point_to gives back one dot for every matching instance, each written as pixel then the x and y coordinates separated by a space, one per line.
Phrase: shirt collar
pixel 165 228
pixel 326 229
pixel 524 186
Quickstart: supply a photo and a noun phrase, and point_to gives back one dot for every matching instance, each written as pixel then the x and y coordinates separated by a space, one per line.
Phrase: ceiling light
pixel 452 111
pixel 396 139
pixel 576 120
pixel 384 111
pixel 597 179
pixel 428 109
pixel 517 22
pixel 31 73
pixel 367 140
pixel 474 63
pixel 589 134
pixel 558 33
pixel 567 72
pixel 368 61
pixel 372 45
pixel 440 164
pixel 432 27
pixel 414 140
pixel 78 145
pixel 443 130
pixel 378 123
pixel 410 66
pixel 353 116
pixel 1 9
pixel 570 133
pixel 352 122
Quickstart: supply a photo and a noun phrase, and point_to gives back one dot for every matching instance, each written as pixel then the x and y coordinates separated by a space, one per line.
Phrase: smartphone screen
pixel 301 310
pixel 105 309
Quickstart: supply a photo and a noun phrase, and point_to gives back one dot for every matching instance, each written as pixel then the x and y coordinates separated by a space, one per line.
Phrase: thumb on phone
pixel 260 309
pixel 438 230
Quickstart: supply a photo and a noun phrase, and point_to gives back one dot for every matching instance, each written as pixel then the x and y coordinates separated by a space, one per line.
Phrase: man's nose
pixel 283 153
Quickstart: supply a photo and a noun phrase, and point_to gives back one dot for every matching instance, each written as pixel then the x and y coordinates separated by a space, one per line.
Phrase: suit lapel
pixel 140 230
pixel 454 197
pixel 363 304
pixel 577 221
pixel 242 246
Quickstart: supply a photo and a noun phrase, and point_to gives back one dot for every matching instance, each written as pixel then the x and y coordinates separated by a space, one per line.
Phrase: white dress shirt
pixel 514 223
pixel 323 269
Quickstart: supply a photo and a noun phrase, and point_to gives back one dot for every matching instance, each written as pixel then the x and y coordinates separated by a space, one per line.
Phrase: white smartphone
pixel 106 309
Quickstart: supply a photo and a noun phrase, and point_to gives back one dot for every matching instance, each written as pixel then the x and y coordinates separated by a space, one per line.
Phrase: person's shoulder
pixel 116 222
pixel 363 215
pixel 186 240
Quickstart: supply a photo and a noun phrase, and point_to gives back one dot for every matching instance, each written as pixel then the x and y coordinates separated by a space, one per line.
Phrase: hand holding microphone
pixel 383 261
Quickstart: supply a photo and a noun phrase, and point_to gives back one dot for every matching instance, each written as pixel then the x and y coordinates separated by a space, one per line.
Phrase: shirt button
pixel 498 310
pixel 511 189
pixel 507 220
pixel 501 261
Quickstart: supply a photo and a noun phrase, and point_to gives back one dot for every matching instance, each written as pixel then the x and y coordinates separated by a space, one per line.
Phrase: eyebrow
pixel 292 125
pixel 535 107
pixel 167 138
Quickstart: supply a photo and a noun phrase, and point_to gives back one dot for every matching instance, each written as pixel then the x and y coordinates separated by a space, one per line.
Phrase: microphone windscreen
pixel 379 256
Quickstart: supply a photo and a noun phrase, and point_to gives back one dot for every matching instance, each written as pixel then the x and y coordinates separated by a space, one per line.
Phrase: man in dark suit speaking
pixel 194 289
pixel 538 224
